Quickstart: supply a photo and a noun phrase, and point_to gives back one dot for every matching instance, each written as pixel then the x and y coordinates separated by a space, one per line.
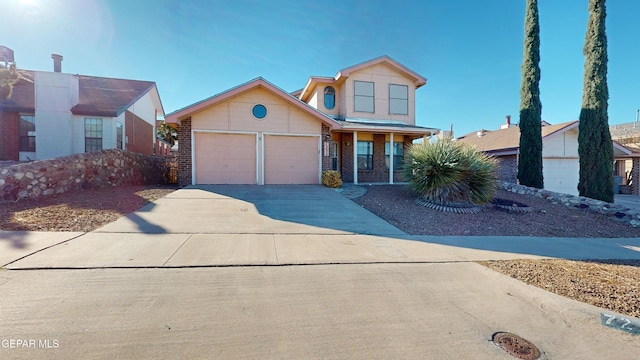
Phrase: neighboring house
pixel 52 114
pixel 163 147
pixel 628 168
pixel 560 161
pixel 358 122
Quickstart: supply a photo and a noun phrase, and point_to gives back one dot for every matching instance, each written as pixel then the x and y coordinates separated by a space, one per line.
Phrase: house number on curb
pixel 621 323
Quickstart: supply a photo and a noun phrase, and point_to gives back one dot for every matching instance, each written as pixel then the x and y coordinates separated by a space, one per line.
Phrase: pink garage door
pixel 290 159
pixel 225 158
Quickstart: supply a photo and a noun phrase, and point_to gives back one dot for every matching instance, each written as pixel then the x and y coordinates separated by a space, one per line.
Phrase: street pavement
pixel 285 272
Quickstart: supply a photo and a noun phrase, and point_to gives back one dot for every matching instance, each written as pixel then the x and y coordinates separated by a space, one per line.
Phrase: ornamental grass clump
pixel 450 173
pixel 332 179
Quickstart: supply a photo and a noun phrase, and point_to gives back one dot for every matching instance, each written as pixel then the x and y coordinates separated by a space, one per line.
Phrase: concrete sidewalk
pixel 113 250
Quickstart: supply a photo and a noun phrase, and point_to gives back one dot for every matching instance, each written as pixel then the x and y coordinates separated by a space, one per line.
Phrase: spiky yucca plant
pixel 450 173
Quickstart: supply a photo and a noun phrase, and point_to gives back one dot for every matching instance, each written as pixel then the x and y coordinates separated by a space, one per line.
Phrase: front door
pixel 335 165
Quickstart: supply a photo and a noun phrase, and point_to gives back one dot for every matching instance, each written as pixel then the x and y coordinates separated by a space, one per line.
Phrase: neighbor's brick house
pixel 53 114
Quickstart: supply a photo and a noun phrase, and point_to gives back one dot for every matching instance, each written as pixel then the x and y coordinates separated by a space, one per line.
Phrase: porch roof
pixel 387 126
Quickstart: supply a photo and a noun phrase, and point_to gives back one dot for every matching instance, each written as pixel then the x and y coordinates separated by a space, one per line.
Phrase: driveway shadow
pixel 313 205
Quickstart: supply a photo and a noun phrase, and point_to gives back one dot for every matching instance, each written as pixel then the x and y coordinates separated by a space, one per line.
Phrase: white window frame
pixel 98 122
pixel 361 98
pixel 396 100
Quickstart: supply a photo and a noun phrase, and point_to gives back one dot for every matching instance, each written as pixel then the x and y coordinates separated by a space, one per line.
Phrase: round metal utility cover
pixel 516 346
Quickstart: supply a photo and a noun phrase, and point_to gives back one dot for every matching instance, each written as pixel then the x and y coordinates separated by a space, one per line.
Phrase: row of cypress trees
pixel 595 147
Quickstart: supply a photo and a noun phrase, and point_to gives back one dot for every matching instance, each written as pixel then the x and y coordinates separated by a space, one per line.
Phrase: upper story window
pixel 398 99
pixel 92 134
pixel 329 97
pixel 363 96
pixel 27 127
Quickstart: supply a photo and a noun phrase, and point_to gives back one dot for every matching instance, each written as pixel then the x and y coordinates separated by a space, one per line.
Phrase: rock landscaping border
pixel 617 212
pixel 81 171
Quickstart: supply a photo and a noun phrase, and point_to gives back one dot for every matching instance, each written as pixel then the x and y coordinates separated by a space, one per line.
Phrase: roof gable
pixel 509 138
pixel 107 96
pixel 418 79
pixel 343 74
pixel 178 115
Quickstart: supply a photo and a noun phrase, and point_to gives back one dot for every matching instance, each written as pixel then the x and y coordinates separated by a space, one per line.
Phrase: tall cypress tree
pixel 595 147
pixel 530 160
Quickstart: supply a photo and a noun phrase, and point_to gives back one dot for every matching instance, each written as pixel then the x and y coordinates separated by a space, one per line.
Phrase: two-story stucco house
pixel 52 114
pixel 358 122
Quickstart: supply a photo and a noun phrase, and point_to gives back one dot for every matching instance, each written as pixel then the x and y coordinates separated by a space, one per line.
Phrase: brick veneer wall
pixel 346 157
pixel 378 173
pixel 635 175
pixel 184 153
pixel 327 142
pixel 508 168
pixel 89 170
pixel 139 134
pixel 9 136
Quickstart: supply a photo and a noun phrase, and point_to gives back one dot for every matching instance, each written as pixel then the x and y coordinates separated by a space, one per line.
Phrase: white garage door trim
pixel 193 149
pixel 262 160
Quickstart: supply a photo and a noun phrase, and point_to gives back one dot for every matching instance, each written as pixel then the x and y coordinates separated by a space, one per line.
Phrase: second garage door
pixel 291 159
pixel 561 175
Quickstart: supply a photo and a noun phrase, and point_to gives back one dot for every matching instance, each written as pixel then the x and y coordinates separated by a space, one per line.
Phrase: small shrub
pixel 449 172
pixel 332 179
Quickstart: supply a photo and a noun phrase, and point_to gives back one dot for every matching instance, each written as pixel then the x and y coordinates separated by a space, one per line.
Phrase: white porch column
pixel 391 158
pixel 355 157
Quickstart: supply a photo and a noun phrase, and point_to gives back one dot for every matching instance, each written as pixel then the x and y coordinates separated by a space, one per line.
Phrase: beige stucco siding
pixel 317 99
pixel 561 145
pixel 235 115
pixel 382 75
pixel 344 102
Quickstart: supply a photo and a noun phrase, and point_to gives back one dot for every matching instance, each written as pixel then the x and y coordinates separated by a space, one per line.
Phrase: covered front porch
pixel 626 169
pixel 373 153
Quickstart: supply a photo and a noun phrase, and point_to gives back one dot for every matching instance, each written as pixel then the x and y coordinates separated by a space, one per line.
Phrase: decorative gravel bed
pixel 613 285
pixel 81 210
pixel 396 204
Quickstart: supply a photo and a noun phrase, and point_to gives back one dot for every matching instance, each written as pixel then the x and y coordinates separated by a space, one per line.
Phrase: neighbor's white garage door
pixel 291 159
pixel 561 175
pixel 225 158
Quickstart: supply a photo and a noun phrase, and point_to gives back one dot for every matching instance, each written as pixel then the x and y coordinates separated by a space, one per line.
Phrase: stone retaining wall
pixel 617 212
pixel 91 170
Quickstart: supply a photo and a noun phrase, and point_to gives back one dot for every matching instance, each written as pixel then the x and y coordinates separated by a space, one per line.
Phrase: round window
pixel 259 111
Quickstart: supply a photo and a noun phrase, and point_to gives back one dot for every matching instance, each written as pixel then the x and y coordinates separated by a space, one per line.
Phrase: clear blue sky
pixel 470 51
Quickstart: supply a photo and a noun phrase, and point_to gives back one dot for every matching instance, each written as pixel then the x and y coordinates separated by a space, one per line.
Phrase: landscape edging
pixel 617 212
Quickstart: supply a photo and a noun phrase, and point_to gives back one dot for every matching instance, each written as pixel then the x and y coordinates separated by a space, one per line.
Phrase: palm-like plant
pixel 8 78
pixel 450 173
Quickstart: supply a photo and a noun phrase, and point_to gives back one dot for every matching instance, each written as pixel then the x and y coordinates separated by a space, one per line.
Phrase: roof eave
pixel 186 112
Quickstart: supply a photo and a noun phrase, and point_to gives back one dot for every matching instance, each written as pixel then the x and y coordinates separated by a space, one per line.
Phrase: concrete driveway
pixel 285 272
pixel 248 209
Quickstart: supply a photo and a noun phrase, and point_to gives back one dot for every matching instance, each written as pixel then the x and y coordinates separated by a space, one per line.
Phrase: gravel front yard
pixel 612 285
